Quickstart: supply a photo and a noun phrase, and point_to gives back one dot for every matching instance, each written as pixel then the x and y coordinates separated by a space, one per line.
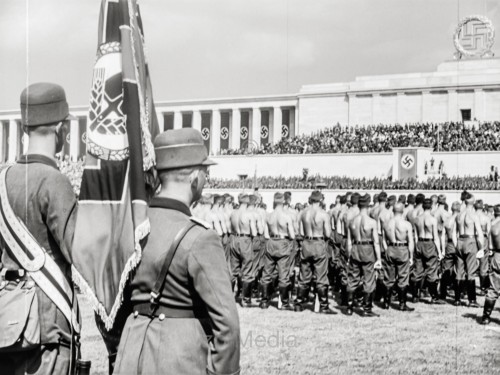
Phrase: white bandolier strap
pixel 33 258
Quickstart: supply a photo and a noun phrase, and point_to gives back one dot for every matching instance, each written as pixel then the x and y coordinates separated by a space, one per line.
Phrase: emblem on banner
pixel 224 133
pixel 84 137
pixel 407 161
pixel 284 131
pixel 68 138
pixel 264 131
pixel 205 134
pixel 244 133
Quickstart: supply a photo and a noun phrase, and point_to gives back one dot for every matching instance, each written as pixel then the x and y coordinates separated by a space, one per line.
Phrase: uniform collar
pixel 37 158
pixel 171 204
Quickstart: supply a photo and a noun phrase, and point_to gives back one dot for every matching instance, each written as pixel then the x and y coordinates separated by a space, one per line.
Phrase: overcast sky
pixel 225 48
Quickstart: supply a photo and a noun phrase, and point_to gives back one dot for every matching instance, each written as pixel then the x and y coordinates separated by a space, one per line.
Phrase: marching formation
pixel 364 249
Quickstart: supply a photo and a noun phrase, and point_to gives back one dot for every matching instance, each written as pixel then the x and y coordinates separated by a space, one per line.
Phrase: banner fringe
pixel 141 232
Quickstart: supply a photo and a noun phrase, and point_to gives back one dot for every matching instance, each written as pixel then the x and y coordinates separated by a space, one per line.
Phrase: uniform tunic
pixel 198 280
pixel 43 199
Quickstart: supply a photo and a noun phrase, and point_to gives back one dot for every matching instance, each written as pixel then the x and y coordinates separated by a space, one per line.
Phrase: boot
pixel 387 299
pixel 264 301
pixel 350 303
pixel 433 288
pixel 459 284
pixel 443 287
pixel 402 300
pixel 489 304
pixel 471 293
pixel 285 298
pixel 484 282
pixel 368 305
pixel 255 290
pixel 416 292
pixel 323 301
pixel 379 290
pixel 302 294
pixel 343 295
pixel 246 294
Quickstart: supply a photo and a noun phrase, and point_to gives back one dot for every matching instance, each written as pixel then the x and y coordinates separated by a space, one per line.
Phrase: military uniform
pixel 467 264
pixel 397 265
pixel 313 260
pixel 447 268
pixel 43 199
pixel 278 257
pixel 426 261
pixel 361 270
pixel 193 327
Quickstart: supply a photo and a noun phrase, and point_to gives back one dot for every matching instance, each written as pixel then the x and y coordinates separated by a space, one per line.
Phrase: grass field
pixel 431 340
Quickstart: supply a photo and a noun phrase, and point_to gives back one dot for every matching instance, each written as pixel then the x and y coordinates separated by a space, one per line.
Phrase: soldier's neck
pixel 42 146
pixel 177 192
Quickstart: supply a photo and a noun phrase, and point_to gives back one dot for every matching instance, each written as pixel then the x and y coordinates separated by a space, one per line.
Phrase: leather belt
pixel 362 242
pixel 243 235
pixel 397 244
pixel 466 236
pixel 163 312
pixel 496 250
pixel 425 239
pixel 278 237
pixel 450 240
pixel 313 238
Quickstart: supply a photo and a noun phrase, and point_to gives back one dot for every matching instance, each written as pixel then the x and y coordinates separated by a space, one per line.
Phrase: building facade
pixel 459 90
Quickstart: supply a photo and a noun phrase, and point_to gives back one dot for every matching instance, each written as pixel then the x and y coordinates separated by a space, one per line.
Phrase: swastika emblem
pixel 474 36
pixel 244 132
pixel 205 134
pixel 264 131
pixel 407 161
pixel 84 137
pixel 224 133
pixel 284 131
pixel 68 138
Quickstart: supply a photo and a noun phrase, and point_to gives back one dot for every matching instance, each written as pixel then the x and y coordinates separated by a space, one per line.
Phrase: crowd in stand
pixel 73 170
pixel 337 182
pixel 449 136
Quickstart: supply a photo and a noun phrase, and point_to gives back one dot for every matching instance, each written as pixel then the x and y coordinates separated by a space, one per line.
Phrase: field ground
pixel 433 339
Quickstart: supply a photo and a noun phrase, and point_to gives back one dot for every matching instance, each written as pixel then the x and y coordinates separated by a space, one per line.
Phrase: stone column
pixel 293 119
pixel 74 140
pixel 177 120
pixel 350 110
pixel 277 123
pixel 452 105
pixel 197 120
pixel 294 130
pixel 255 127
pixel 234 141
pixel 215 132
pixel 426 106
pixel 399 108
pixel 478 112
pixel 13 136
pixel 376 108
pixel 2 135
pixel 161 120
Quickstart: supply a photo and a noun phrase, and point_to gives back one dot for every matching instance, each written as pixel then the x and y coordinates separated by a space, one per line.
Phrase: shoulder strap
pixel 160 281
pixel 33 258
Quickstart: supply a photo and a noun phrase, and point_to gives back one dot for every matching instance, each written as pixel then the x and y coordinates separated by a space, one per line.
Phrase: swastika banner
pixel 407 163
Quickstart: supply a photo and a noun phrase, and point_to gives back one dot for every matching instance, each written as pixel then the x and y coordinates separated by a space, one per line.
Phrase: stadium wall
pixel 369 165
pixel 301 196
